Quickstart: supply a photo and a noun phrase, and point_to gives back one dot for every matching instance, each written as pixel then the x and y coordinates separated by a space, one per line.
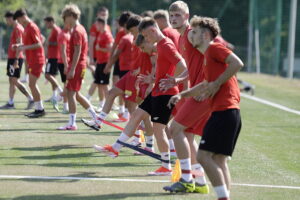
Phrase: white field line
pixel 131 180
pixel 269 103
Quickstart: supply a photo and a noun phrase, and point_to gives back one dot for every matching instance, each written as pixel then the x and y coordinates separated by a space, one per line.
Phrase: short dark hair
pixel 133 21
pixel 49 19
pixel 101 20
pixel 9 14
pixel 146 22
pixel 124 18
pixel 147 13
pixel 139 40
pixel 208 23
pixel 20 13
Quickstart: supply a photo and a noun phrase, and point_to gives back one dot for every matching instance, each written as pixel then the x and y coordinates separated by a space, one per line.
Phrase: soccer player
pixel 15 63
pixel 52 54
pixel 104 43
pixel 155 104
pixel 117 73
pixel 191 115
pixel 103 13
pixel 63 42
pixel 33 47
pixel 222 129
pixel 162 19
pixel 77 66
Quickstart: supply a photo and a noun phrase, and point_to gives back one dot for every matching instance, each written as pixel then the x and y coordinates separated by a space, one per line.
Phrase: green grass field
pixel 267 153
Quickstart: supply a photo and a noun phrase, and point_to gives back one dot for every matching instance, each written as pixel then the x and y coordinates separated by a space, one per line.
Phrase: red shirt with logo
pixel 32 35
pixel 17 32
pixel 167 59
pixel 103 41
pixel 125 47
pixel 53 51
pixel 228 96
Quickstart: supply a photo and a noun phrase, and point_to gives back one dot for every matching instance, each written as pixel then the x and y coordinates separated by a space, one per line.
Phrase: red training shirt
pixel 103 40
pixel 172 34
pixel 17 32
pixel 64 39
pixel 228 96
pixel 32 35
pixel 79 37
pixel 53 51
pixel 94 32
pixel 124 47
pixel 167 59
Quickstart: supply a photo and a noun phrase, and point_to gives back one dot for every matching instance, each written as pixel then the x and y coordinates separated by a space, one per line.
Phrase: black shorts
pixel 157 108
pixel 61 67
pixel 11 71
pixel 100 77
pixel 51 67
pixel 116 71
pixel 221 132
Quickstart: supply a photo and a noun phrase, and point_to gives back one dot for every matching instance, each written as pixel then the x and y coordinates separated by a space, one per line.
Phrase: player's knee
pixel 175 129
pixel 113 92
pixel 202 157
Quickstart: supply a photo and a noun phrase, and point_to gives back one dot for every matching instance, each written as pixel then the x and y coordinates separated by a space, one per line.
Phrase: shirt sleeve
pixel 219 52
pixel 93 31
pixel 122 44
pixel 34 35
pixel 77 38
pixel 171 53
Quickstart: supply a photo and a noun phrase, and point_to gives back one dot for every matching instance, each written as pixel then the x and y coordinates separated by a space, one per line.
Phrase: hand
pixel 92 68
pixel 167 83
pixel 65 70
pixel 146 79
pixel 148 90
pixel 208 90
pixel 174 99
pixel 107 69
pixel 15 46
pixel 71 74
pixel 135 72
pixel 16 64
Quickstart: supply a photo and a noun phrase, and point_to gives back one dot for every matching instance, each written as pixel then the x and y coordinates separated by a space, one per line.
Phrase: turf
pixel 267 152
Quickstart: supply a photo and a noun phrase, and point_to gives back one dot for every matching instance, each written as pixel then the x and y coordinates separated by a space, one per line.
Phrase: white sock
pixel 92 112
pixel 39 105
pixel 102 115
pixel 126 114
pixel 54 95
pixel 149 141
pixel 66 106
pixel 137 136
pixel 166 156
pixel 101 103
pixel 122 109
pixel 59 90
pixel 171 144
pixel 123 138
pixel 199 179
pixel 72 119
pixel 30 98
pixel 11 101
pixel 221 191
pixel 186 169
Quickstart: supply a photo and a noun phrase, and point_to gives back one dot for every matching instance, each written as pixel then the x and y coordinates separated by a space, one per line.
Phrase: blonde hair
pixel 179 6
pixel 71 10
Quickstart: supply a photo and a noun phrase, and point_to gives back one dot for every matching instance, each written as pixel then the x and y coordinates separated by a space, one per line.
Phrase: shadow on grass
pixel 50 148
pixel 97 197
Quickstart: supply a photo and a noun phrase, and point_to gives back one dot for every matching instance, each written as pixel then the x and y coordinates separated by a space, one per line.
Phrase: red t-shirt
pixel 103 40
pixel 125 46
pixel 228 96
pixel 172 34
pixel 64 39
pixel 79 37
pixel 53 51
pixel 120 35
pixel 32 35
pixel 135 57
pixel 17 32
pixel 145 63
pixel 94 32
pixel 167 59
pixel 193 59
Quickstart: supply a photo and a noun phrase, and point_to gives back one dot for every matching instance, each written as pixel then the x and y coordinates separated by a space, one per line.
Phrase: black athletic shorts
pixel 100 77
pixel 51 67
pixel 11 71
pixel 61 67
pixel 221 132
pixel 116 71
pixel 157 108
